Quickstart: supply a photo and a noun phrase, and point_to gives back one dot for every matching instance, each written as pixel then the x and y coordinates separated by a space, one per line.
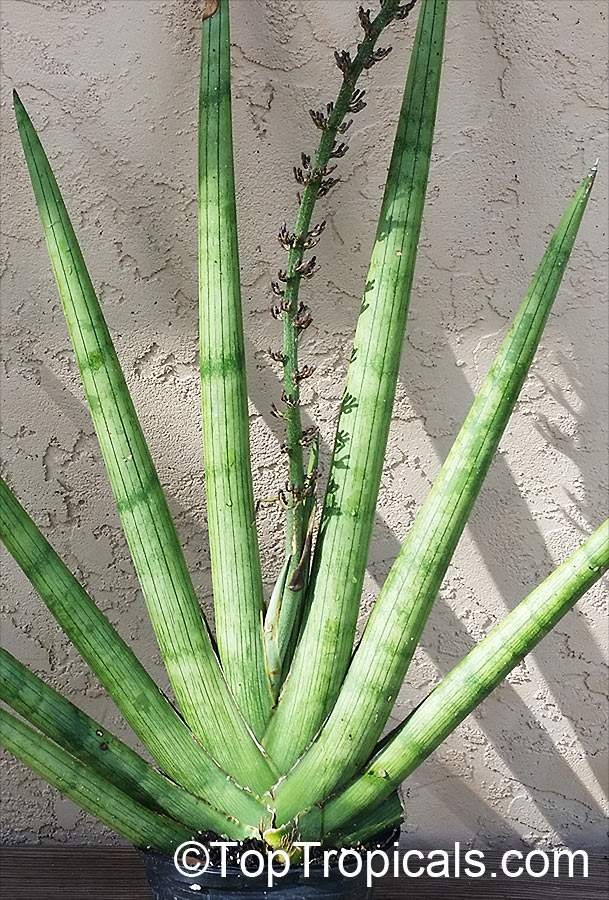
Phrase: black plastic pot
pixel 167 883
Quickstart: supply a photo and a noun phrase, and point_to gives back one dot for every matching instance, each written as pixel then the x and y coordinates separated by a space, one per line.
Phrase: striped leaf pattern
pixel 93 744
pixel 174 611
pixel 399 615
pixel 233 541
pixel 89 790
pixel 277 736
pixel 460 692
pixel 341 551
pixel 149 713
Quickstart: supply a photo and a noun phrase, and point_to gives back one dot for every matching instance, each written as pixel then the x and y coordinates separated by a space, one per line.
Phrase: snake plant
pixel 278 729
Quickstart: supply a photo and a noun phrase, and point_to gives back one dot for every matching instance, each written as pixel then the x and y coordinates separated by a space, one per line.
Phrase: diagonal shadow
pixel 512 718
pixel 515 718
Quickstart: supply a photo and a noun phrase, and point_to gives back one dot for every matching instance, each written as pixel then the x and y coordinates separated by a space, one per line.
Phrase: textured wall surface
pixel 112 86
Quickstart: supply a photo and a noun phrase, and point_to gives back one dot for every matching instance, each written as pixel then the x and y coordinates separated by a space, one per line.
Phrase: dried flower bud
pixel 276 413
pixel 403 11
pixel 291 402
pixel 276 355
pixel 357 103
pixel 308 436
pixel 377 56
pixel 326 186
pixel 357 107
pixel 364 18
pixel 285 237
pixel 305 372
pixel 343 60
pixel 305 160
pixel 339 150
pixel 319 120
pixel 303 322
pixel 303 318
pixel 316 174
pixel 276 312
pixel 313 236
pixel 282 275
pixel 307 177
pixel 344 127
pixel 306 269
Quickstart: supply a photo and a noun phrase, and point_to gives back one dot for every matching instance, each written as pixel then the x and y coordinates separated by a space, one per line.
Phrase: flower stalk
pixel 315 178
pixel 341 549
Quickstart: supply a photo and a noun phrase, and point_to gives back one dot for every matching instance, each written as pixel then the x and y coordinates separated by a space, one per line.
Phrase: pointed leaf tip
pixel 588 181
pixel 20 110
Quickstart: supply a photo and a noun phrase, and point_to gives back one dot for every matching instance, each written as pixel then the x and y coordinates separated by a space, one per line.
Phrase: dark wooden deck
pixel 103 873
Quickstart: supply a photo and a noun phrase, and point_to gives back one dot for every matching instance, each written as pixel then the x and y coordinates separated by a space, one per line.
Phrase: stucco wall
pixel 112 86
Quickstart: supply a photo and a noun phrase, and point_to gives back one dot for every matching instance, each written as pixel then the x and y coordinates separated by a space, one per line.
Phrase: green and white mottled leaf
pixel 233 540
pixel 149 713
pixel 399 615
pixel 341 551
pixel 193 669
pixel 89 790
pixel 471 681
pixel 93 744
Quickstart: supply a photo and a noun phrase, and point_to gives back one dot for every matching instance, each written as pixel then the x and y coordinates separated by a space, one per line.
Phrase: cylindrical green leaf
pixel 293 603
pixel 397 619
pixel 93 744
pixel 363 827
pixel 89 790
pixel 192 666
pixel 339 564
pixel 149 713
pixel 233 541
pixel 471 681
